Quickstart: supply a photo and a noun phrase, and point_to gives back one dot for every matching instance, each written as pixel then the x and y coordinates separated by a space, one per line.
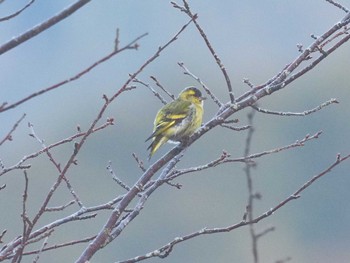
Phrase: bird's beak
pixel 203 98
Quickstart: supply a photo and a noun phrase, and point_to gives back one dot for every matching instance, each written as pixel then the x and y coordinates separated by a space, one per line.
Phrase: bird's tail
pixel 156 143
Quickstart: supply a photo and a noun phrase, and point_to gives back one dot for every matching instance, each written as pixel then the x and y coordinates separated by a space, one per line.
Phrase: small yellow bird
pixel 178 119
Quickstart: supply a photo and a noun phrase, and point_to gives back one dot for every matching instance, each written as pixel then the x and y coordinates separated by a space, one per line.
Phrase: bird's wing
pixel 170 115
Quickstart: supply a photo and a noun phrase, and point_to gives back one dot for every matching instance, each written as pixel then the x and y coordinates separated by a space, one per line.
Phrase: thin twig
pixel 144 197
pixel 115 177
pixel 116 40
pixel 225 157
pixel 14 42
pixel 298 143
pixel 208 91
pixel 139 162
pixel 17 12
pixel 338 5
pixel 162 87
pixel 155 93
pixel 247 81
pixel 176 173
pixel 40 237
pixel 246 127
pixel 66 244
pixel 187 10
pixel 44 231
pixel 41 250
pixel 283 260
pixel 2 235
pixel 334 37
pixel 265 231
pixel 8 136
pixel 61 207
pixel 58 168
pixel 251 194
pixel 132 45
pixel 19 165
pixel 27 224
pixel 304 113
pixel 283 78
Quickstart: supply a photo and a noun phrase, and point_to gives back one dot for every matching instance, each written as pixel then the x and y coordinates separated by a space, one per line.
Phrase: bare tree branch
pixel 8 136
pixel 338 5
pixel 209 92
pixel 41 250
pixel 251 193
pixel 104 234
pixel 304 113
pixel 2 235
pixel 165 250
pixel 155 93
pixel 14 42
pixel 17 12
pixel 186 9
pixel 123 209
pixel 19 164
pixel 132 45
pixel 162 87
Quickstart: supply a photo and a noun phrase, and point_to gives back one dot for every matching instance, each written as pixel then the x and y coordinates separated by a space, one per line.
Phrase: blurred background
pixel 255 40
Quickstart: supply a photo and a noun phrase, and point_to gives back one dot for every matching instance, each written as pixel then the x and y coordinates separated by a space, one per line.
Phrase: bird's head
pixel 192 94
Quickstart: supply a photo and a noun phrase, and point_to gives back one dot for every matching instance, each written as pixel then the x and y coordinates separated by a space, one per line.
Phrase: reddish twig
pixel 139 162
pixel 19 165
pixel 45 231
pixel 66 244
pixel 132 45
pixel 162 88
pixel 8 136
pixel 155 93
pixel 27 224
pixel 57 165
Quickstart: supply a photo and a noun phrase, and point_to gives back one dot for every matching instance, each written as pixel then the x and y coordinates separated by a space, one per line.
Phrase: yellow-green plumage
pixel 178 119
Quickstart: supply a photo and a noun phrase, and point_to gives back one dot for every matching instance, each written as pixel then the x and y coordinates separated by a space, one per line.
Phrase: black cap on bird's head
pixel 192 92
